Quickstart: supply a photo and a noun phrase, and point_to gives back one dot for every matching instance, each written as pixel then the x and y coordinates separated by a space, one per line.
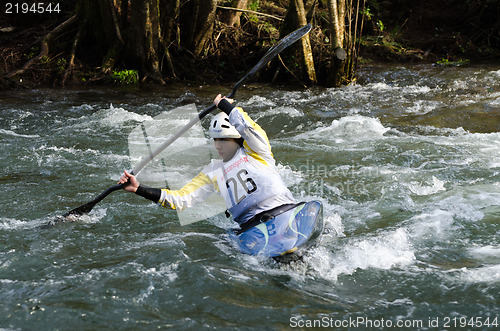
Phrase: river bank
pixel 408 33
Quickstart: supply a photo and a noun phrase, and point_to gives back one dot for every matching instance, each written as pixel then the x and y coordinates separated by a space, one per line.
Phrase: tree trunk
pixel 143 39
pixel 304 61
pixel 171 27
pixel 106 7
pixel 305 43
pixel 153 41
pixel 233 16
pixel 171 31
pixel 197 21
pixel 336 13
pixel 205 25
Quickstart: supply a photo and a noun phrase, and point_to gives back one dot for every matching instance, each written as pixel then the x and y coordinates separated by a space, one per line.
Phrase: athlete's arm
pixel 224 104
pixel 135 186
pixel 255 137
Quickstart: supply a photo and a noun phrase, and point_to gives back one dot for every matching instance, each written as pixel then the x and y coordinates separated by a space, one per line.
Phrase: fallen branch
pixel 291 72
pixel 44 51
pixel 251 12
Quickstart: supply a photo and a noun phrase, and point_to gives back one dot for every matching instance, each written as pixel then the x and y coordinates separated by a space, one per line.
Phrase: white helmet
pixel 220 127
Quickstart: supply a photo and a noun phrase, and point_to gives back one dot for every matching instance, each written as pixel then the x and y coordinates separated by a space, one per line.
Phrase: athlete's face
pixel 226 147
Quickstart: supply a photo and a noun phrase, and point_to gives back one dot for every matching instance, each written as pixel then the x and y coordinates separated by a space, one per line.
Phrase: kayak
pixel 286 236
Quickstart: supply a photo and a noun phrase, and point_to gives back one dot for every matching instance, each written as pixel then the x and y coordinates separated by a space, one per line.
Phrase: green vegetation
pixel 125 77
pixel 61 65
pixel 457 63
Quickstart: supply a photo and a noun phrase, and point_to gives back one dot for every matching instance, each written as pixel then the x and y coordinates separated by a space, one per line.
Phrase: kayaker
pixel 246 177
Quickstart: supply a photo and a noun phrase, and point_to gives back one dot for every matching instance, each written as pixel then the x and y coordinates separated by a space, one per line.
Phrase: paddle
pixel 271 53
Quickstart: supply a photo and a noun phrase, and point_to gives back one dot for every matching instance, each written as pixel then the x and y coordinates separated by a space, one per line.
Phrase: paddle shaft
pixel 271 53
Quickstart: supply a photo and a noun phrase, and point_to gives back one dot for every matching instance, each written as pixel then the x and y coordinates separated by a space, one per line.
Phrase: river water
pixel 406 162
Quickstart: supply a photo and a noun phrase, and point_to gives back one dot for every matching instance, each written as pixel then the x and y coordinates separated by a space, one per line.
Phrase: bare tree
pixel 337 19
pixel 302 60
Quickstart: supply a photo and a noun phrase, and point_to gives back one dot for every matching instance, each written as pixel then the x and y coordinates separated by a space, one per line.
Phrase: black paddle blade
pixel 71 216
pixel 83 209
pixel 74 214
pixel 288 40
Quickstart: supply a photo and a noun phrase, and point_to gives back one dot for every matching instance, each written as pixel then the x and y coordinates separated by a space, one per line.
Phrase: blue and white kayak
pixel 289 232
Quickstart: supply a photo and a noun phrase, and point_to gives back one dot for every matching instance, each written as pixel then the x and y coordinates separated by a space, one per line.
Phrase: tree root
pixel 71 63
pixel 44 51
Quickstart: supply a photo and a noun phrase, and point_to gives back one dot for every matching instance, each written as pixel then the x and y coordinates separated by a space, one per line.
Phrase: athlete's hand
pixel 127 177
pixel 219 97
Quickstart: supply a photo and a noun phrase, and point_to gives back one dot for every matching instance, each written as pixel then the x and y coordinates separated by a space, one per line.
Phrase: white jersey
pixel 249 182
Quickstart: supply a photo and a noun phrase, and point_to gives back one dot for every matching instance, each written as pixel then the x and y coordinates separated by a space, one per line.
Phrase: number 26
pixel 248 184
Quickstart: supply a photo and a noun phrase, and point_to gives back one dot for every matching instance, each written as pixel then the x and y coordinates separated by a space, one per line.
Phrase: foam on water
pixel 11 223
pixel 422 107
pixel 14 134
pixel 486 253
pixel 55 156
pixel 35 223
pixel 259 100
pixel 118 117
pixel 290 177
pixel 289 111
pixel 348 128
pixel 487 274
pixel 81 108
pixel 386 250
pixel 62 152
pixel 432 225
pixel 422 189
